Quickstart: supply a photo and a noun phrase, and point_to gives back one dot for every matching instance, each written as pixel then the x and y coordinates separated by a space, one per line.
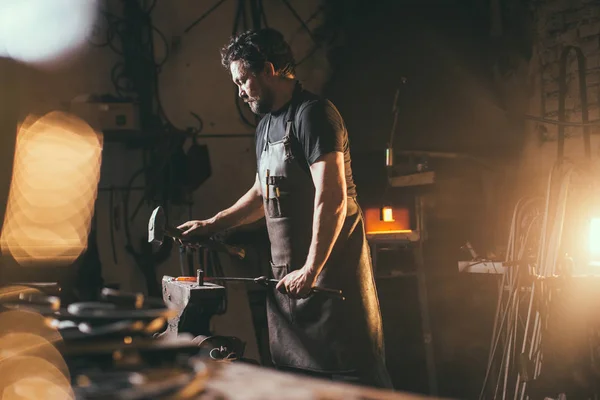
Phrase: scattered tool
pixel 261 280
pixel 158 229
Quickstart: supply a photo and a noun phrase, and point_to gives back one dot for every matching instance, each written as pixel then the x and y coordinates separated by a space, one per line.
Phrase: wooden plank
pixel 418 179
pixel 243 381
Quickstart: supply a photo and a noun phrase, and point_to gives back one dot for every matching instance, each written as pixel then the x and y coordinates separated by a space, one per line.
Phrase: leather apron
pixel 318 334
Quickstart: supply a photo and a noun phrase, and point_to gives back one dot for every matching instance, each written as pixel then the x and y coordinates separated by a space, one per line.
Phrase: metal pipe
pixel 595 122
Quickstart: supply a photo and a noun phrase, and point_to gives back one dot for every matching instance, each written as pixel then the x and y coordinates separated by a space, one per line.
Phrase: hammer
pixel 158 229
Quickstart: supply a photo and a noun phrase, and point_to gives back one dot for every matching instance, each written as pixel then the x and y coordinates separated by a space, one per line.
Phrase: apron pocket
pixel 279 271
pixel 283 301
pixel 277 207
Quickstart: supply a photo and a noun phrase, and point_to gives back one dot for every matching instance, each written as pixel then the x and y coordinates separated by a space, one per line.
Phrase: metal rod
pixel 231 278
pixel 595 122
pixel 203 16
pixel 562 94
pixel 263 14
pixel 303 24
pixel 495 333
pixel 263 280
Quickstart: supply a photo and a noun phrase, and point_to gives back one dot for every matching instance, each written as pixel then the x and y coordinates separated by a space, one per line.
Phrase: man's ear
pixel 269 69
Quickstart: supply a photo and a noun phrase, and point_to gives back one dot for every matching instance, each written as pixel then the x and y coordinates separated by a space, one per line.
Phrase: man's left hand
pixel 297 284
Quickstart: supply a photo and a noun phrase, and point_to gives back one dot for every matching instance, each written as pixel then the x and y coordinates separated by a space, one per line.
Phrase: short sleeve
pixel 320 129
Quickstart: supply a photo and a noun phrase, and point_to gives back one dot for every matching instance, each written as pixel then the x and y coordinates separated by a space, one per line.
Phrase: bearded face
pixel 252 88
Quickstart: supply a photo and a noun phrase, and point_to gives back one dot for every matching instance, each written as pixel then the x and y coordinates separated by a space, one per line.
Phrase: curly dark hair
pixel 256 47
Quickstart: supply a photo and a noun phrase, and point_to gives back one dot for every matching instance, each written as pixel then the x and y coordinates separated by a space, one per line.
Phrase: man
pixel 305 191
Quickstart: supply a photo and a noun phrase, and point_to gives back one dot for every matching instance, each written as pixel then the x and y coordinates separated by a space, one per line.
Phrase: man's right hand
pixel 195 228
pixel 248 208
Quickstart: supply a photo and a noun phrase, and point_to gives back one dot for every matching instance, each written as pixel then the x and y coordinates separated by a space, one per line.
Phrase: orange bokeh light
pixel 53 190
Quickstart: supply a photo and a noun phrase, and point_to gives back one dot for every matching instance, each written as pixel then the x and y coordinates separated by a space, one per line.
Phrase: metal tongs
pixel 261 280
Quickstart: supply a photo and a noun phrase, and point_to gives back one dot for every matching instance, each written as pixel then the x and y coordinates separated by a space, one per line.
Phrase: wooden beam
pixel 418 179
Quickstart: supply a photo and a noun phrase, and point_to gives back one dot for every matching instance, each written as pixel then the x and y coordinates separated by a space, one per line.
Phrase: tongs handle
pixel 336 293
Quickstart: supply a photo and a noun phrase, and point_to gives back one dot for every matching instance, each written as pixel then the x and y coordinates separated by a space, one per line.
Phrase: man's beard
pixel 262 104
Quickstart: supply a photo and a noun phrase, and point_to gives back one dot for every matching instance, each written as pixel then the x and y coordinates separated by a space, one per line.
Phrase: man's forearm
pixel 247 209
pixel 328 219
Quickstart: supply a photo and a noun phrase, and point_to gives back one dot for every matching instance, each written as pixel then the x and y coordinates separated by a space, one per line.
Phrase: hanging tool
pixel 261 280
pixel 389 151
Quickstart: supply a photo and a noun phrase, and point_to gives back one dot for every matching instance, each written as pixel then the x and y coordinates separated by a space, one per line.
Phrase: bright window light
pixel 595 239
pixel 44 31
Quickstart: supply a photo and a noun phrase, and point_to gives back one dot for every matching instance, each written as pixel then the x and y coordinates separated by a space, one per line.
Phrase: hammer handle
pixel 231 250
pixel 173 232
pixel 335 293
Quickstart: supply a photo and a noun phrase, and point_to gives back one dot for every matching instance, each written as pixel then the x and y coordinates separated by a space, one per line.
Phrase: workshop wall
pixel 192 80
pixel 559 24
pixel 473 70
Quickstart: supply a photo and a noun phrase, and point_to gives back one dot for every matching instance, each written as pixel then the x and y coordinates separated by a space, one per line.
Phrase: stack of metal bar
pixel 103 349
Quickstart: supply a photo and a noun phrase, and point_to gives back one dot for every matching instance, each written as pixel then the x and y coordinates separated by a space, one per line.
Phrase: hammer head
pixel 156 226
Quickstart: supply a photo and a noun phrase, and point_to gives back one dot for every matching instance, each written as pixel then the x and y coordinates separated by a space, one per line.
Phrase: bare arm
pixel 247 209
pixel 329 209
pixel 329 214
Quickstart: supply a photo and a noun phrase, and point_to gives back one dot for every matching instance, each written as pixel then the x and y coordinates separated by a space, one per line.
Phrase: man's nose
pixel 241 93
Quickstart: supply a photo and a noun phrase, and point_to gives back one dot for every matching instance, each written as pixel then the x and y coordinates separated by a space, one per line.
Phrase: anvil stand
pixel 200 302
pixel 197 302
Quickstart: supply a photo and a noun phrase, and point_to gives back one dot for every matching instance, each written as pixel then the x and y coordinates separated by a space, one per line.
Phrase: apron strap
pixel 266 138
pixel 290 116
pixel 289 125
pixel 292 110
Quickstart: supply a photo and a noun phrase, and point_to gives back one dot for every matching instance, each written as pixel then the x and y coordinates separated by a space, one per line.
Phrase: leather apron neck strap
pixel 290 115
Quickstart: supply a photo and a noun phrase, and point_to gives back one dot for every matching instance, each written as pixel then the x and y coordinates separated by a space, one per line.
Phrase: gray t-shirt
pixel 318 129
